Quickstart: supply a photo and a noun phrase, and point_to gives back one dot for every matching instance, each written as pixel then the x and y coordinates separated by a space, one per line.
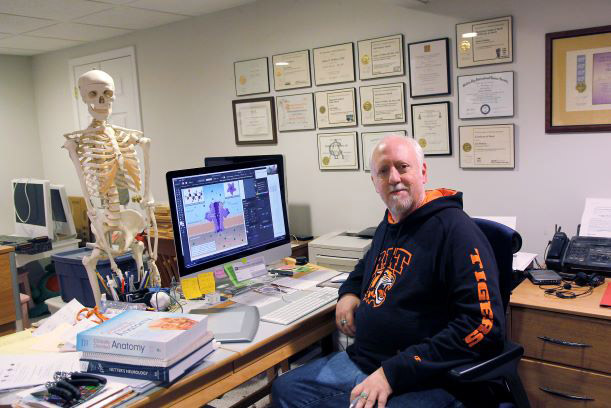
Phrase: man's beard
pixel 399 205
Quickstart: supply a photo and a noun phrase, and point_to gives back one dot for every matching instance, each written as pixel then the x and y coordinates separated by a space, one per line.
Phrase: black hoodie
pixel 429 295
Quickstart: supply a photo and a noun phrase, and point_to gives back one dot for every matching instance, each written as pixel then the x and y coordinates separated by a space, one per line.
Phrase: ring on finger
pixel 343 322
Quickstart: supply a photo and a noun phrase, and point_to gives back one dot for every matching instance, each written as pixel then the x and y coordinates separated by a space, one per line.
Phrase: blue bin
pixel 73 280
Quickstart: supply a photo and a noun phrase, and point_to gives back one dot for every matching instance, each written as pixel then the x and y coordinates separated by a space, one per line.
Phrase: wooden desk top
pixel 6 249
pixel 529 295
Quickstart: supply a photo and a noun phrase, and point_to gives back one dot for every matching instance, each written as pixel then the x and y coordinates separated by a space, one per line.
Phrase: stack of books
pixel 164 221
pixel 154 346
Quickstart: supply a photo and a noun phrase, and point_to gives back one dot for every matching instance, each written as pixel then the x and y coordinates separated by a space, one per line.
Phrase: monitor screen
pixel 222 160
pixel 57 208
pixel 223 213
pixel 29 199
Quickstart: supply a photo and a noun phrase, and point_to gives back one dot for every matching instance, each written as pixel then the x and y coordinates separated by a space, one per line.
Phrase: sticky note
pixel 190 288
pixel 206 283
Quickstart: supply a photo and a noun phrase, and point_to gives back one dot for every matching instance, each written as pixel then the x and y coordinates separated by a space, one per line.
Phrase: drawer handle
pixel 564 395
pixel 563 342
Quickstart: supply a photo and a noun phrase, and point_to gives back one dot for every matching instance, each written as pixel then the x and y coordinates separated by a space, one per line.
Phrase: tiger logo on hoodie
pixel 389 265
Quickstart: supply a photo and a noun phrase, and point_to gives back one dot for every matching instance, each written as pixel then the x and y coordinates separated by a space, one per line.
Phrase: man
pixel 424 299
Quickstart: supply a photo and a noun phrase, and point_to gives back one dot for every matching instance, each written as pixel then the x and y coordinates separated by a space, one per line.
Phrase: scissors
pixel 89 312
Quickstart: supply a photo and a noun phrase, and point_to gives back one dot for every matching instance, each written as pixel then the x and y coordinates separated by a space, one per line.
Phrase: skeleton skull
pixel 98 91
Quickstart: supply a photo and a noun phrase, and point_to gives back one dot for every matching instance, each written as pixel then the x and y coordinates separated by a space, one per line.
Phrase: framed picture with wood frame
pixel 578 80
pixel 254 121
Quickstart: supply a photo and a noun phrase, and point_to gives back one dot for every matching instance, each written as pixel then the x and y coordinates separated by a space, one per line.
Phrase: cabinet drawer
pixel 578 341
pixel 563 380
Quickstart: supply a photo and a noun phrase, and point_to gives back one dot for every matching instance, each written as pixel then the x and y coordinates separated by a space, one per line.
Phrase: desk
pixel 235 364
pixel 574 370
pixel 10 306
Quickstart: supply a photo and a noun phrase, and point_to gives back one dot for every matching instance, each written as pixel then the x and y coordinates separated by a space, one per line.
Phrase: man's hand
pixel 344 313
pixel 374 388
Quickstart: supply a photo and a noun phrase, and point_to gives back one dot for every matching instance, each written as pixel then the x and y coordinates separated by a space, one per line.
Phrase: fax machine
pixel 339 250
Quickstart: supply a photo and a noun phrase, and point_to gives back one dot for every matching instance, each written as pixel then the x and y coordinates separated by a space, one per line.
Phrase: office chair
pixel 503 367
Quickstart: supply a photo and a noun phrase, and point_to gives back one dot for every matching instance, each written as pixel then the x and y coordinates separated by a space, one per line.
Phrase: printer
pixel 338 250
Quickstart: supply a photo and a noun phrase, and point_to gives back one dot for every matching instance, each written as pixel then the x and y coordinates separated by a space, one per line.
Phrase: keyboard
pixel 295 310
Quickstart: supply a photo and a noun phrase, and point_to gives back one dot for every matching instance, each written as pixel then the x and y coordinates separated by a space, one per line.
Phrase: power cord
pixel 27 198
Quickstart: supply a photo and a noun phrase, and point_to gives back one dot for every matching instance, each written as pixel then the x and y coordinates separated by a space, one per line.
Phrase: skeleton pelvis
pixel 131 224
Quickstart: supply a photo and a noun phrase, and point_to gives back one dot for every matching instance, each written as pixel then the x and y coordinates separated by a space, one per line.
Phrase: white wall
pixel 20 154
pixel 186 85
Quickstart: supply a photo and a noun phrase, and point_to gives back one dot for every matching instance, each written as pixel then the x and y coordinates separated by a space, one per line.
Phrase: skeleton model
pixel 105 159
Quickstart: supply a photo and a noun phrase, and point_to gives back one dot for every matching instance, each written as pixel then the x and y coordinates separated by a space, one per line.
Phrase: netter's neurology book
pixel 144 334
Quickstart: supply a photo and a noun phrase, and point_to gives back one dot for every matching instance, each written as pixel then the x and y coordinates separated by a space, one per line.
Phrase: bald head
pixel 394 140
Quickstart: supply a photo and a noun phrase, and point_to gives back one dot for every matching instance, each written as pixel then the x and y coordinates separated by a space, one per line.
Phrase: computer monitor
pixel 222 160
pixel 63 223
pixel 224 213
pixel 32 208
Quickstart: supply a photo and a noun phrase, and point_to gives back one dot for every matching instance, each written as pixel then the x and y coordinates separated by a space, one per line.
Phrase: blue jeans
pixel 328 381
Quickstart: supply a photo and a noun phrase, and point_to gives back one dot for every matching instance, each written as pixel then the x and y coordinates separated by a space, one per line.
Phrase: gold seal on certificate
pixel 431 127
pixel 251 76
pixel 292 70
pixel 484 42
pixel 383 104
pixel 487 146
pixel 334 64
pixel 336 108
pixel 381 57
pixel 337 151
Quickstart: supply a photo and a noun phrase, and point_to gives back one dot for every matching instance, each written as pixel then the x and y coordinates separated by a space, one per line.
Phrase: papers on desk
pixel 20 371
pixel 596 218
pixel 66 314
pixel 112 392
pixel 521 260
pixel 307 281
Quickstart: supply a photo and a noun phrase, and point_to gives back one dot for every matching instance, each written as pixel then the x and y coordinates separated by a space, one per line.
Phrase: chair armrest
pixel 491 368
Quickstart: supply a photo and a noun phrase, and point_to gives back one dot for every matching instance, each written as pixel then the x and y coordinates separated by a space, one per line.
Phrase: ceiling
pixel 30 27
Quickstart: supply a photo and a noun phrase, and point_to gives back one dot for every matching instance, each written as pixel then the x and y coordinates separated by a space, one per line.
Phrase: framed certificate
pixel 431 128
pixel 488 146
pixel 295 112
pixel 334 64
pixel 251 76
pixel 336 108
pixel 429 69
pixel 292 70
pixel 383 104
pixel 369 140
pixel 485 95
pixel 578 80
pixel 381 57
pixel 337 151
pixel 254 121
pixel 484 42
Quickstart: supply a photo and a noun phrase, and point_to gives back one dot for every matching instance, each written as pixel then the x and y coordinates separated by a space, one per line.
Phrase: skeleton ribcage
pixel 109 162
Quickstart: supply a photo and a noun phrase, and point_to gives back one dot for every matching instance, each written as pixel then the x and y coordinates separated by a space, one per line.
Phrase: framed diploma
pixel 484 42
pixel 429 69
pixel 381 57
pixel 254 121
pixel 292 70
pixel 488 146
pixel 578 80
pixel 369 140
pixel 337 151
pixel 431 128
pixel 251 76
pixel 485 95
pixel 382 104
pixel 334 64
pixel 335 108
pixel 295 112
